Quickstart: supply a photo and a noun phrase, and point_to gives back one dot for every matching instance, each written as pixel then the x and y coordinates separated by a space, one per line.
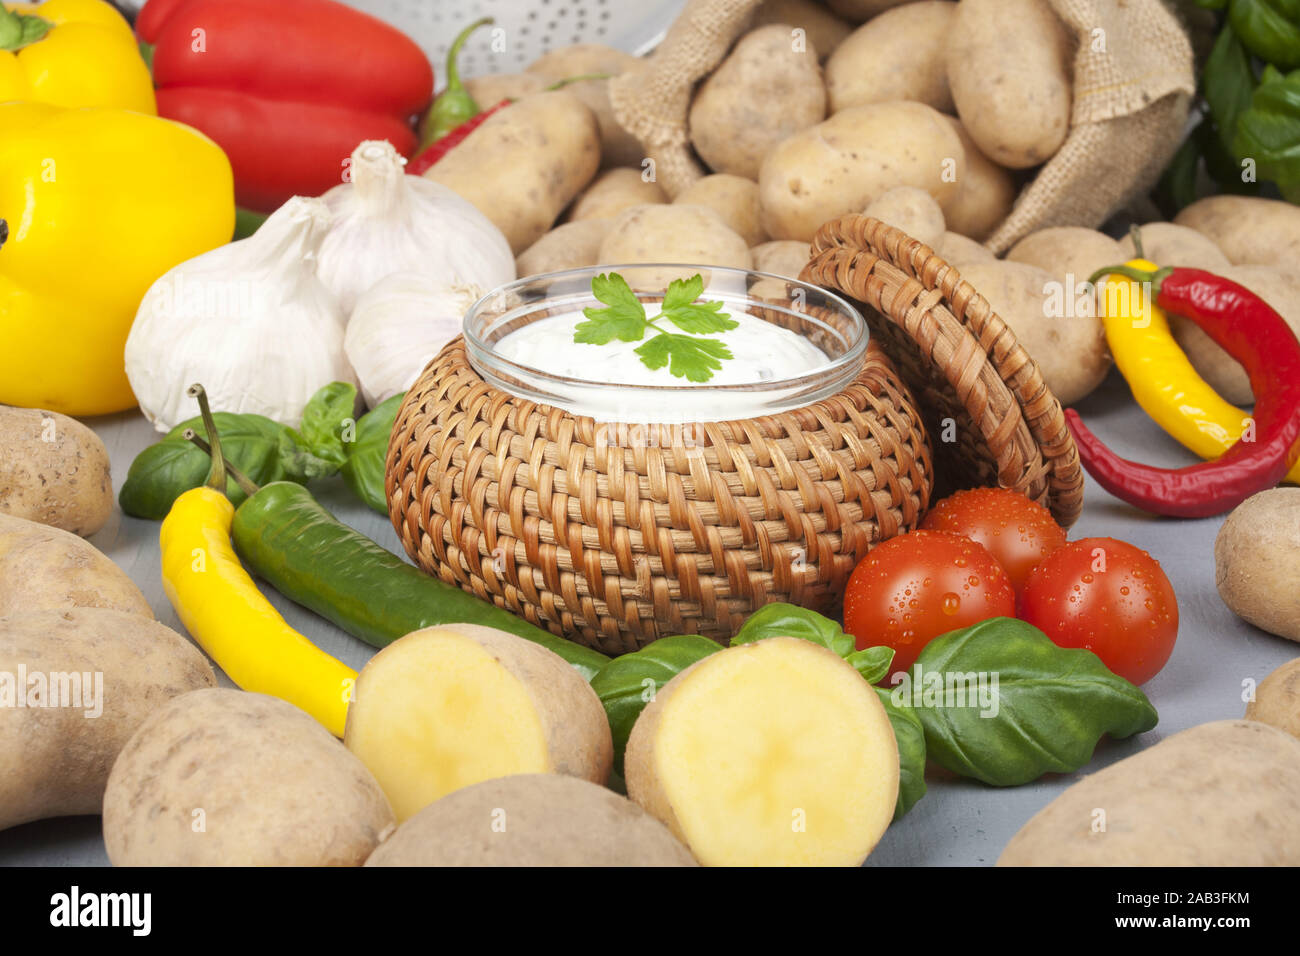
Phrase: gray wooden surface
pixel 959 822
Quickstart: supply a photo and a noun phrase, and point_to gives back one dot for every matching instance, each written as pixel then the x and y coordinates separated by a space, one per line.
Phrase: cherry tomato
pixel 1110 597
pixel 912 588
pixel 1018 532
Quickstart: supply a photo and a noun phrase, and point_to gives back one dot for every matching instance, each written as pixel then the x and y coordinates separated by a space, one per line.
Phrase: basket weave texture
pixel 617 536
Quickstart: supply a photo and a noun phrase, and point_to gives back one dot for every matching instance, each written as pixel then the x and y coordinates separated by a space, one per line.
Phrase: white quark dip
pixel 762 352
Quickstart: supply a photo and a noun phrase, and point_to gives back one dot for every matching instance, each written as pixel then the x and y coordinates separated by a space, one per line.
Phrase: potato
pixel 673 233
pixel 841 165
pixel 898 55
pixel 986 194
pixel 99 674
pixel 1280 289
pixel 618 146
pixel 613 191
pixel 1277 699
pixel 1070 349
pixel 782 257
pixel 1066 251
pixel 525 164
pixel 733 198
pixel 771 753
pixel 222 777
pixel 857 11
pixel 446 707
pixel 1247 229
pixel 568 246
pixel 1009 67
pixel 536 819
pixel 1220 794
pixel 43 567
pixel 54 470
pixel 491 88
pixel 762 93
pixel 823 29
pixel 912 210
pixel 959 251
pixel 1167 244
pixel 1257 561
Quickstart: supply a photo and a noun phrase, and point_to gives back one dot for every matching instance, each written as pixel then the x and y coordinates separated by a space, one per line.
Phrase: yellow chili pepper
pixel 72 53
pixel 1164 382
pixel 224 611
pixel 95 205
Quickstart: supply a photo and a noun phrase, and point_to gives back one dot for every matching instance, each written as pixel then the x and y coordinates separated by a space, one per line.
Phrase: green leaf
pixel 367 456
pixel 18 30
pixel 623 319
pixel 1049 707
pixel 682 292
pixel 163 472
pixel 1177 186
pixel 1212 4
pixel 1266 31
pixel 680 308
pixel 873 663
pixel 789 620
pixel 1228 83
pixel 324 418
pixel 911 752
pixel 1269 132
pixel 627 684
pixel 686 357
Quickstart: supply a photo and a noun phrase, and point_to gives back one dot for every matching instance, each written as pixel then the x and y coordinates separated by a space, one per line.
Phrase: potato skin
pixel 613 191
pixel 841 165
pixel 960 251
pixel 985 197
pixel 525 164
pixel 618 147
pixel 571 245
pixel 677 232
pixel 734 198
pixel 1168 244
pixel 824 30
pixel 274 787
pixel 782 257
pixel 58 757
pixel 898 55
pixel 912 210
pixel 491 88
pixel 1248 230
pixel 762 93
pixel 1068 251
pixel 1220 794
pixel 54 470
pixel 1010 73
pixel 43 567
pixel 858 11
pixel 1257 561
pixel 1277 699
pixel 532 820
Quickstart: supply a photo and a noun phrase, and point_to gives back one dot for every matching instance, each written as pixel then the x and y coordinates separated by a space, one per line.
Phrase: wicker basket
pixel 528 506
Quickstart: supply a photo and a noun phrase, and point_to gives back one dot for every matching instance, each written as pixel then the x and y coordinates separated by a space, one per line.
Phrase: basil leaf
pixel 324 418
pixel 1045 713
pixel 1227 83
pixel 1269 132
pixel 627 683
pixel 163 472
pixel 368 454
pixel 299 464
pixel 788 620
pixel 872 663
pixel 1266 31
pixel 911 752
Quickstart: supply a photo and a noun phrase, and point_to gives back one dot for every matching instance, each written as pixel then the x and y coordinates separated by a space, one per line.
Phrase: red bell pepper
pixel 287 88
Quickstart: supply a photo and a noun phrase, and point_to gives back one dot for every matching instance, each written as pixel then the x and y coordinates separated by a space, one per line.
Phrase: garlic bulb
pixel 385 221
pixel 398 325
pixel 249 320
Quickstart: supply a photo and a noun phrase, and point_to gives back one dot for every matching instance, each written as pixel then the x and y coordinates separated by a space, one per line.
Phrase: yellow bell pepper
pixel 96 205
pixel 75 53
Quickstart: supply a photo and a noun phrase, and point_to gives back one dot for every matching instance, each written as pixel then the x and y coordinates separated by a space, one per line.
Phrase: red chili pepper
pixel 1249 330
pixel 441 147
pixel 286 87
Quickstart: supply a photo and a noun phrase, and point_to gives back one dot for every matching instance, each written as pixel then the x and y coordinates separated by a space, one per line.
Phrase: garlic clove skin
pixel 397 328
pixel 249 320
pixel 385 221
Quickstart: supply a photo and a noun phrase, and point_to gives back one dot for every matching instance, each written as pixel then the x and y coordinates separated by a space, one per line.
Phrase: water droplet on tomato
pixel 950 604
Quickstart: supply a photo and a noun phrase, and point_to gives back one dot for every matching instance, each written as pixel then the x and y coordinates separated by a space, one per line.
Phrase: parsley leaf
pixel 686 356
pixel 623 319
pixel 681 309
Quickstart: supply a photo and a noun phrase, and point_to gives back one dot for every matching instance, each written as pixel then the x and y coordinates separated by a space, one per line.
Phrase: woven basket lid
pixel 991 417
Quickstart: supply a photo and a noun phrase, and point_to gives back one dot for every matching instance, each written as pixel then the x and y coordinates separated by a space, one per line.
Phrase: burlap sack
pixel 1133 81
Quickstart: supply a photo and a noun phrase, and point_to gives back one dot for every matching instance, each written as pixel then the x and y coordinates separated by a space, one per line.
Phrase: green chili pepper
pixel 454 105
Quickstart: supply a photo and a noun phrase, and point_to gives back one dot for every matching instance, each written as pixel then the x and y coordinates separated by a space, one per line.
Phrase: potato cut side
pixel 772 753
pixel 450 706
